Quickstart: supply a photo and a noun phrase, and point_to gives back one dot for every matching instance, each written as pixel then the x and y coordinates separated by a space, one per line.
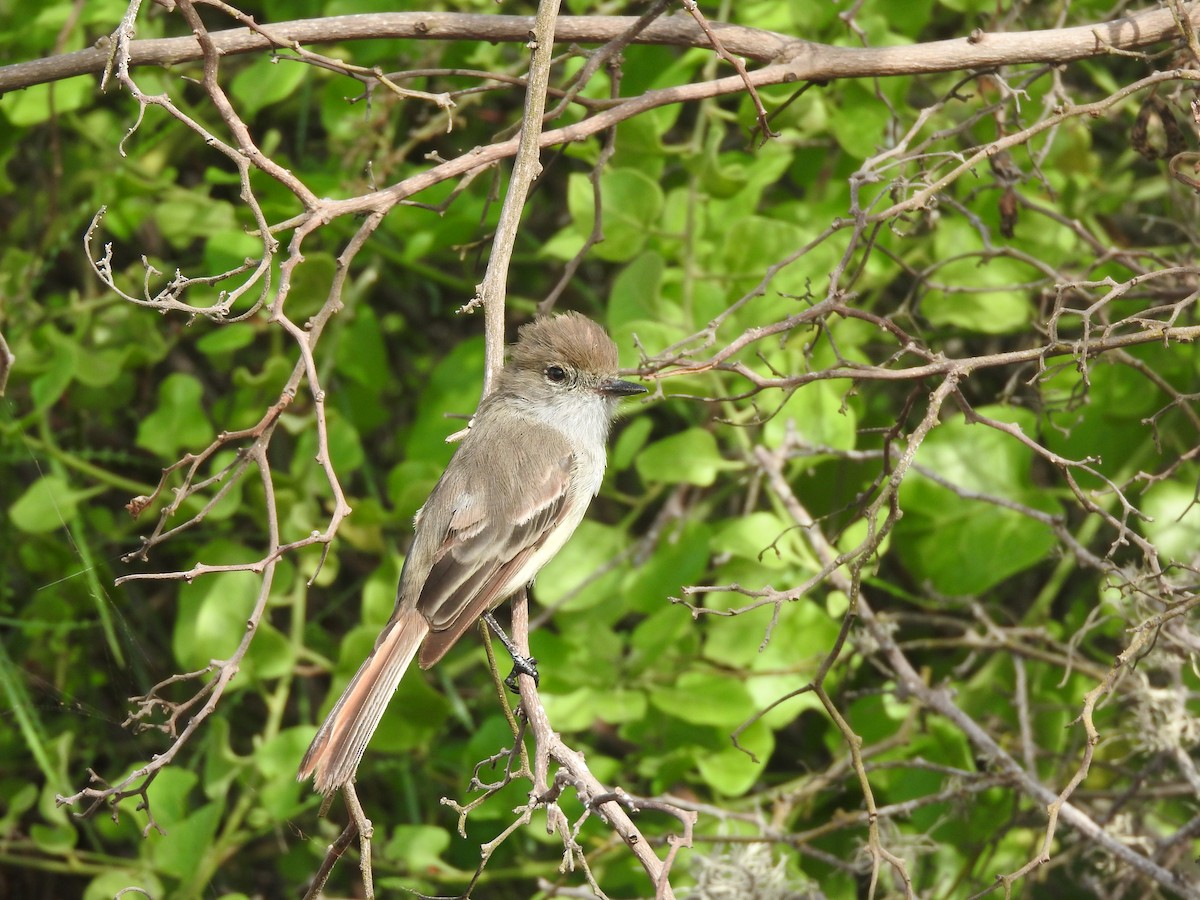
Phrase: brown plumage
pixel 515 490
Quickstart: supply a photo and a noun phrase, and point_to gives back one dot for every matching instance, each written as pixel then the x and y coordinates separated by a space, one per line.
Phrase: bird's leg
pixel 522 665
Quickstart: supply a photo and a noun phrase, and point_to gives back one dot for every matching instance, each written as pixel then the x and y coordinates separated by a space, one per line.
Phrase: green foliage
pixel 942 526
pixel 689 457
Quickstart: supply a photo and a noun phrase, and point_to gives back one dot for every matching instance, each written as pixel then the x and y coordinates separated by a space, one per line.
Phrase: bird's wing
pixel 489 539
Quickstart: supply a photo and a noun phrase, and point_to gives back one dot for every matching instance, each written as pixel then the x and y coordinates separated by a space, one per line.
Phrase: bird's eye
pixel 556 374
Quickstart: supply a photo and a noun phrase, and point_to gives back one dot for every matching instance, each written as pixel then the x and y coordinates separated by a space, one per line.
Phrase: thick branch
pixel 680 31
pixel 527 165
pixel 980 50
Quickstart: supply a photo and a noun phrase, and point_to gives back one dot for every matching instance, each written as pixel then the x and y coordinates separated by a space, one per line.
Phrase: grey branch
pixel 979 50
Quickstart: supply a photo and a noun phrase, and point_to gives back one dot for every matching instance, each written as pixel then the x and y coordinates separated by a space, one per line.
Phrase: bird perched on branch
pixel 515 490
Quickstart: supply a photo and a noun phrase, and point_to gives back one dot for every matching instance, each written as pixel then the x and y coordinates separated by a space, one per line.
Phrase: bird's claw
pixel 522 665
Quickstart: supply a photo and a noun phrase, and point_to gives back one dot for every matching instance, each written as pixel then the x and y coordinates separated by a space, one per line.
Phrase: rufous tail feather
pixel 335 752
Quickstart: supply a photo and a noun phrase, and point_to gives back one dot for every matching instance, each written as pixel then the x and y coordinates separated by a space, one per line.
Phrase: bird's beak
pixel 615 387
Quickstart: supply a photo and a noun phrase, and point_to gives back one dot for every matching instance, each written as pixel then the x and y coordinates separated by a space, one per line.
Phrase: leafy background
pixel 1002 582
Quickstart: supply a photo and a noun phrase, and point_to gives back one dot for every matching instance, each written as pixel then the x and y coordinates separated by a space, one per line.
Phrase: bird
pixel 514 491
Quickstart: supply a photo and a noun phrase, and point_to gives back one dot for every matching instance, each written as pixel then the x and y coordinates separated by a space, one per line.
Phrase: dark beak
pixel 615 387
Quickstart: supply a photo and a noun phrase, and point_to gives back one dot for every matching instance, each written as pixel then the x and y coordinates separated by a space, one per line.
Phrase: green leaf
pixel 651 334
pixel 279 794
pixel 704 698
pixel 361 353
pixel 585 633
pixel 680 559
pixel 270 654
pixel 345 447
pixel 569 581
pixel 58 371
pixel 179 421
pixel 580 710
pixel 47 504
pixel 1174 524
pixel 635 290
pixel 632 202
pixel 20 797
pixel 617 705
pixel 133 882
pixel 225 339
pixel 980 458
pixel 761 242
pixel 934 547
pixel 804 633
pixel 408 486
pixel 942 527
pixel 1001 311
pixel 310 285
pixel 226 248
pixel 739 173
pixel 640 140
pixel 731 770
pixel 54 840
pixel 452 388
pixel 996 301
pixel 629 443
pixel 100 368
pixel 186 216
pixel 221 764
pixel 564 245
pixel 265 82
pixel 690 457
pixel 817 414
pixel 213 610
pixel 170 794
pixel 862 133
pixel 874 718
pixel 36 104
pixel 379 593
pixel 766 539
pixel 419 847
pixel 182 850
pixel 662 643
pixel 416 713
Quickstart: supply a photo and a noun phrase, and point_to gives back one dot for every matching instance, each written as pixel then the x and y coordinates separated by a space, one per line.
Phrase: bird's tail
pixel 335 752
